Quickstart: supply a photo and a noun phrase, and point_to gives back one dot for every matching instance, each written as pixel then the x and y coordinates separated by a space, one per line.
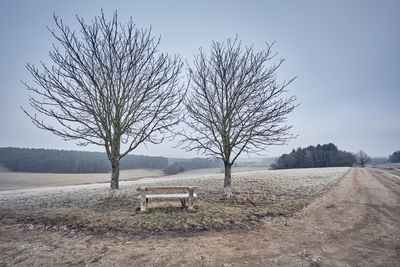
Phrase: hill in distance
pixel 67 161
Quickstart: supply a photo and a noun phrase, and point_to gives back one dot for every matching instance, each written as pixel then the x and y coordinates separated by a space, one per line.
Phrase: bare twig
pixel 236 104
pixel 108 86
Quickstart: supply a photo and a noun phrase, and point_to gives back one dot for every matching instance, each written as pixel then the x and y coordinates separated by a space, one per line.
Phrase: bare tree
pixel 108 86
pixel 362 158
pixel 395 157
pixel 235 104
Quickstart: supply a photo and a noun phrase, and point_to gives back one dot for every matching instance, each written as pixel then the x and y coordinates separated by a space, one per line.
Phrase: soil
pixel 355 224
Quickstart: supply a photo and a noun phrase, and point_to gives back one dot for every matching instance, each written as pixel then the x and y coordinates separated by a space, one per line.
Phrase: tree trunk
pixel 114 177
pixel 227 180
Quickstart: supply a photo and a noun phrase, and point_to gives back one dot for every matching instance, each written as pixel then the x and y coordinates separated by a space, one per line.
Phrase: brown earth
pixel 355 224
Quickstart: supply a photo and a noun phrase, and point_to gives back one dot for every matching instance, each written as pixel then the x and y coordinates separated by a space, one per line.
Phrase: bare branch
pixel 108 84
pixel 236 104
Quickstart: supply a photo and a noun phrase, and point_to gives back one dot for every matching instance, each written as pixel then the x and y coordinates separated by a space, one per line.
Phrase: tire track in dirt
pixel 389 184
pixel 376 211
pixel 346 219
pixel 355 224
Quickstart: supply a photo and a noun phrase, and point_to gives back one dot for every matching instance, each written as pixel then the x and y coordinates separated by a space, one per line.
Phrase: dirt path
pixel 356 224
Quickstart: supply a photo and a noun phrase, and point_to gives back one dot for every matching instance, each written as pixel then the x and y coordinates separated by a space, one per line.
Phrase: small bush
pixel 173 168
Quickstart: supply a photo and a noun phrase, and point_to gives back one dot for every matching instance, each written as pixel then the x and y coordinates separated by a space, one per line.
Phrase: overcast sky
pixel 346 55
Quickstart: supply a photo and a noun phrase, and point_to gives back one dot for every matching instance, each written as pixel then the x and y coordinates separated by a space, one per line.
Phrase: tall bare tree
pixel 362 158
pixel 235 104
pixel 109 86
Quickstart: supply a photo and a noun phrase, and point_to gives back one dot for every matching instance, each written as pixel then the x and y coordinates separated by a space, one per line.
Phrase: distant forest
pixel 63 161
pixel 327 155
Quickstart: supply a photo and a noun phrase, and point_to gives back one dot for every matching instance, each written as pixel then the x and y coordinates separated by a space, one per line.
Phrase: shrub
pixel 173 168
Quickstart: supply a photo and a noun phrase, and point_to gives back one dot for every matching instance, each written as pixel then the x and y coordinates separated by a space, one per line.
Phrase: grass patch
pixel 393 171
pixel 256 196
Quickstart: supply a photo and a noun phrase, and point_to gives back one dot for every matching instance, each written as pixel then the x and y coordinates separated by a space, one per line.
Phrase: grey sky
pixel 345 53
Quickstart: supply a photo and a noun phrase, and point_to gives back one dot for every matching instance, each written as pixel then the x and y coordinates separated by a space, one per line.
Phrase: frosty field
pixel 25 180
pixel 87 207
pixel 352 219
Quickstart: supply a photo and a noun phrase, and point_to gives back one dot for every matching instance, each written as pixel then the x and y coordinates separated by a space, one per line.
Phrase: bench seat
pixel 186 193
pixel 169 195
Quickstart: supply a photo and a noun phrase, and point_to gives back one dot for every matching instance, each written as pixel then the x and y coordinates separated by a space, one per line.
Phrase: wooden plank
pixel 166 188
pixel 186 195
pixel 189 194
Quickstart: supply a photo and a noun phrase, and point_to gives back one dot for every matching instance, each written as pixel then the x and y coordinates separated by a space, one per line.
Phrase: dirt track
pixel 356 224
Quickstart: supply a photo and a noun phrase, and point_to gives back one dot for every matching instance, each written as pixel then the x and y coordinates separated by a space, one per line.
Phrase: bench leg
pixel 190 204
pixel 143 200
pixel 183 202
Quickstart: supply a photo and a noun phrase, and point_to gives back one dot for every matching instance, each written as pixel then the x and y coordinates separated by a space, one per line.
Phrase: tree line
pixel 395 157
pixel 327 155
pixel 63 161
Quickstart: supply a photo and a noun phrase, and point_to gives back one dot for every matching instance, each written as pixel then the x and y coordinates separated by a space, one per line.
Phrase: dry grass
pixel 392 174
pixel 22 180
pixel 257 194
pixel 3 169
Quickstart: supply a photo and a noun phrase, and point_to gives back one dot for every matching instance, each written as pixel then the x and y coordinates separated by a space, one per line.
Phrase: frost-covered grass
pixel 392 174
pixel 20 180
pixel 256 195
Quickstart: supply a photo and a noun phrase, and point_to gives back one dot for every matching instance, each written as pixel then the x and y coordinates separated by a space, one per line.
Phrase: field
pixel 23 180
pixel 257 194
pixel 351 218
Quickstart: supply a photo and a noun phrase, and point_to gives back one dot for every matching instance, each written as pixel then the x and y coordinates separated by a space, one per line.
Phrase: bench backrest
pixel 166 188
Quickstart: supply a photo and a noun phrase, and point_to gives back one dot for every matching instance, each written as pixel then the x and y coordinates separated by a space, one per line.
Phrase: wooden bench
pixel 187 192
